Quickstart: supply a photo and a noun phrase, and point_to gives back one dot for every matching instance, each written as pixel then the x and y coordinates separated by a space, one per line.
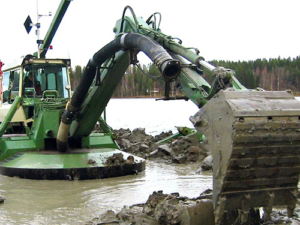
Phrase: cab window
pixel 10 85
pixel 49 77
pixel 5 86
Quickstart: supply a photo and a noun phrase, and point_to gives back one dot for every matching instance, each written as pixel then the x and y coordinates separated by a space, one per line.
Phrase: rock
pixel 130 160
pixel 144 147
pixel 171 209
pixel 181 150
pixel 207 163
pixel 122 131
pixel 180 159
pixel 108 216
pixel 153 201
pixel 166 150
pixel 135 215
pixel 115 159
pixel 181 144
pixel 91 161
pixel 153 153
pixel 207 194
pixel 193 154
pixel 162 136
pixel 126 135
pixel 126 143
pixel 139 135
pixel 2 199
pixel 169 212
pixel 164 209
pixel 134 148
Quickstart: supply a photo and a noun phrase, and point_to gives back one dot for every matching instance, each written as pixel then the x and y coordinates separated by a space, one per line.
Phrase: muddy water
pixel 75 202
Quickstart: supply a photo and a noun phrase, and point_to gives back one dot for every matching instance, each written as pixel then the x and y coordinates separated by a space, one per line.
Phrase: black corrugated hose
pixel 169 67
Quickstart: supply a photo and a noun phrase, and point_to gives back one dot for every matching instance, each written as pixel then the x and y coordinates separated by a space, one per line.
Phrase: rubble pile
pixel 183 149
pixel 164 209
pixel 173 209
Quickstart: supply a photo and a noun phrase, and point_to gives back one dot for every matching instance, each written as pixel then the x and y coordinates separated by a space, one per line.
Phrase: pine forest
pixel 271 75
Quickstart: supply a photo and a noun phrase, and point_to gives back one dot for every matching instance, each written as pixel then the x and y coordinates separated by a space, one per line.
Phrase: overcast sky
pixel 220 29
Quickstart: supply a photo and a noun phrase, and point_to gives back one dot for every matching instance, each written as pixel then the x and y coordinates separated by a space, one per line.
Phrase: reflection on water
pixel 75 202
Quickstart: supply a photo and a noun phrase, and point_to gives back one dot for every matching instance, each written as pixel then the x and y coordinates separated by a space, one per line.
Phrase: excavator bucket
pixel 255 141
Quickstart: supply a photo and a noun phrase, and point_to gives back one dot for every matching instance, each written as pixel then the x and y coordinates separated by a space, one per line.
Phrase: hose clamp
pixel 122 40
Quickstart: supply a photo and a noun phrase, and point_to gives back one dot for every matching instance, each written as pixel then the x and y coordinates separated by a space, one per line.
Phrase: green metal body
pixel 34 126
pixel 30 119
pixel 193 85
pixel 98 97
pixel 30 126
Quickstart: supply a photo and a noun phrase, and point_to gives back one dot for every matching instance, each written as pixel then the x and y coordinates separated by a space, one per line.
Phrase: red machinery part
pixel 1 64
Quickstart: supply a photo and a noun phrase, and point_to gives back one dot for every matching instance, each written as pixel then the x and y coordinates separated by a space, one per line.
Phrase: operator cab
pixel 43 80
pixel 36 78
pixel 38 82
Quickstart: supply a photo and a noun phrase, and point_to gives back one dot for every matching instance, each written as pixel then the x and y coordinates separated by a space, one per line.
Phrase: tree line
pixel 274 74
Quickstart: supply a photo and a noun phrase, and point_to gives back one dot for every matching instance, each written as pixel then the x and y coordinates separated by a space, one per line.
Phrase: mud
pixel 118 159
pixel 186 149
pixel 162 208
pixel 172 208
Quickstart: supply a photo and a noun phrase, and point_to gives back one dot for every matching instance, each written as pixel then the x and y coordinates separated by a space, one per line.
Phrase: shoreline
pixel 159 97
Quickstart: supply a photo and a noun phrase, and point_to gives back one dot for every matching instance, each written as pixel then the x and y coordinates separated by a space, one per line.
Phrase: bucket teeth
pixel 255 141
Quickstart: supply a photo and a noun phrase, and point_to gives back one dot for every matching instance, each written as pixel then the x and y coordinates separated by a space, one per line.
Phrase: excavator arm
pixel 62 8
pixel 80 106
pixel 253 134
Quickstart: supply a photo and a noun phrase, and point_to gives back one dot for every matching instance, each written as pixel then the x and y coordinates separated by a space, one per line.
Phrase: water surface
pixel 37 202
pixel 75 202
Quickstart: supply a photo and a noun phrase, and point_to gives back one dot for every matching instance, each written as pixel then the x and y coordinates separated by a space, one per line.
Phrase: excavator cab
pixel 37 82
pixel 43 80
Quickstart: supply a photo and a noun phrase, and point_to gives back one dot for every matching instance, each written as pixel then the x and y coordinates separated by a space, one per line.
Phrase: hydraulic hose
pixel 169 67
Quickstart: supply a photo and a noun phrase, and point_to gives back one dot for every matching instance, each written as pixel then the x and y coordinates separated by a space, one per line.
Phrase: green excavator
pixel 46 133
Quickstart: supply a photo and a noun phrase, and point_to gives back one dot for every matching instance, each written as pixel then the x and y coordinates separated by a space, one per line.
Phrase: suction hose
pixel 169 67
